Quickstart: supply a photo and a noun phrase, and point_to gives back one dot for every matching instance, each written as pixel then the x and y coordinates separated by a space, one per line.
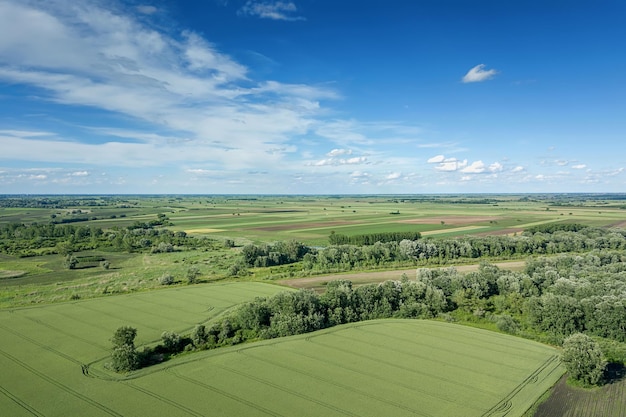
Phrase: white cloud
pixel 496 167
pixel 518 168
pixel 338 152
pixel 393 176
pixel 341 161
pixel 436 159
pixel 451 164
pixel 79 174
pixel 478 74
pixel 474 168
pixel 579 166
pixel 277 10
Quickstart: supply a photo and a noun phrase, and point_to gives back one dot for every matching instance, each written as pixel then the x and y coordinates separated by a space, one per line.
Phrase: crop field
pixel 385 367
pixel 52 361
pixel 46 350
pixel 311 219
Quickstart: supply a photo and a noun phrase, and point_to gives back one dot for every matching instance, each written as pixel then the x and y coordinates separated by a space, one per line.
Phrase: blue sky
pixel 312 96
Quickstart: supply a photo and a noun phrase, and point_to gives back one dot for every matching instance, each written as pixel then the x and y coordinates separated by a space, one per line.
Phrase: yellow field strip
pixel 454 230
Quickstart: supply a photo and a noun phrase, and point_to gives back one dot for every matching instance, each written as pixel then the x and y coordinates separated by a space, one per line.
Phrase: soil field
pixel 566 401
pixel 319 282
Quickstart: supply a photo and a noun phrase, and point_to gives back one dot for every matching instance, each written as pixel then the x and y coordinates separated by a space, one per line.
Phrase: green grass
pixel 385 367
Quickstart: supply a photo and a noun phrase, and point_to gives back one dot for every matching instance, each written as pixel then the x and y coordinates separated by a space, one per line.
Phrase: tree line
pixel 372 238
pixel 345 257
pixel 45 239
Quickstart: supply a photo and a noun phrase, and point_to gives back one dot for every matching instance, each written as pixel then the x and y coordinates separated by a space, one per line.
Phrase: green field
pixel 52 361
pixel 311 219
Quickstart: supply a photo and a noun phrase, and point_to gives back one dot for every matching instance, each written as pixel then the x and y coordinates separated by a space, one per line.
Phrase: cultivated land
pixel 52 356
pixel 52 359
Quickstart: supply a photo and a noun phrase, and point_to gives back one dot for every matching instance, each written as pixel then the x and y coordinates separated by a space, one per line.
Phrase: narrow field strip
pixel 453 230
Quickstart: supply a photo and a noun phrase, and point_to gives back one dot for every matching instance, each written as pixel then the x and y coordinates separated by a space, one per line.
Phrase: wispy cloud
pixel 277 10
pixel 178 83
pixel 478 74
pixel 147 9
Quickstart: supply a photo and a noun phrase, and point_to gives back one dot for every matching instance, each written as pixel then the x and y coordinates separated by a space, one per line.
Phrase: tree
pixel 199 336
pixel 583 359
pixel 171 341
pixel 124 356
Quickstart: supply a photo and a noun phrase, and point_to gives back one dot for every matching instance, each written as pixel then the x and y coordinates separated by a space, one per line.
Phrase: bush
pixel 166 279
pixel 192 274
pixel 507 324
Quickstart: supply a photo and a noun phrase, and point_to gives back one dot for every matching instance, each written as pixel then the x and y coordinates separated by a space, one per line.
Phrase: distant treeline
pixel 45 239
pixel 337 258
pixel 555 227
pixel 371 238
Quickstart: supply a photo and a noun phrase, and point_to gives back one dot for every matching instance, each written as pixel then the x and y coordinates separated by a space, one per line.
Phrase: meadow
pixel 53 359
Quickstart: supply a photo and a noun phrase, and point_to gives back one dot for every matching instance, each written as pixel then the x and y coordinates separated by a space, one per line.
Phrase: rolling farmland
pixel 52 360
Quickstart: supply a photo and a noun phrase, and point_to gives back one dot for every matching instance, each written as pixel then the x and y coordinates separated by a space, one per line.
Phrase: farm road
pixel 380 276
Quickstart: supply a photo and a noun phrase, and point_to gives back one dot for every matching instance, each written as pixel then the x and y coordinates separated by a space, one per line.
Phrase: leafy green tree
pixel 124 356
pixel 583 359
pixel 199 336
pixel 171 341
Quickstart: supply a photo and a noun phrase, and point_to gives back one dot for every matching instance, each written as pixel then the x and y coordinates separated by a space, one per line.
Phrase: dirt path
pixel 380 276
